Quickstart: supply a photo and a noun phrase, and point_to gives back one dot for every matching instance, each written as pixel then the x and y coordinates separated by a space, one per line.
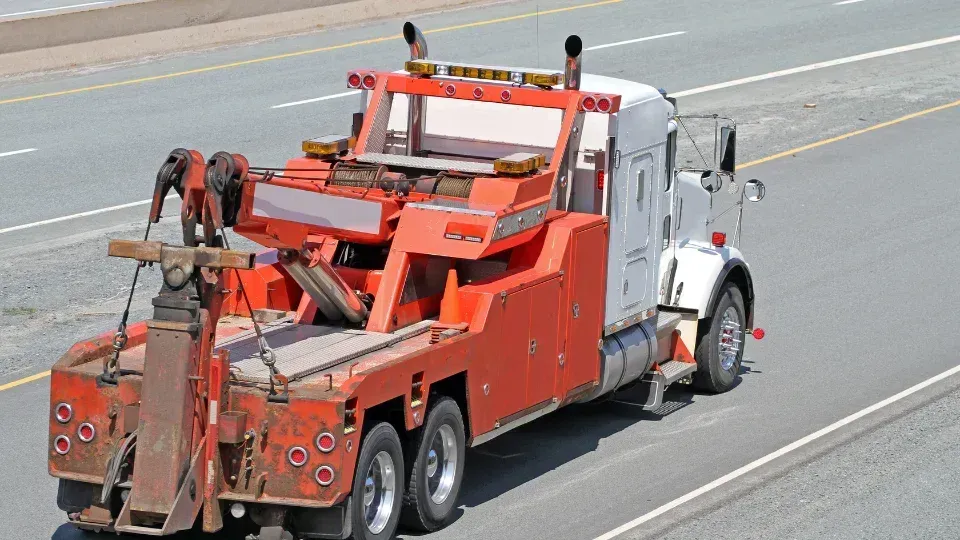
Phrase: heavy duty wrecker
pixel 485 246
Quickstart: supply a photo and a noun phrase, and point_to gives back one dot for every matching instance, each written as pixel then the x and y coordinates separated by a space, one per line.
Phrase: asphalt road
pixel 16 9
pixel 854 251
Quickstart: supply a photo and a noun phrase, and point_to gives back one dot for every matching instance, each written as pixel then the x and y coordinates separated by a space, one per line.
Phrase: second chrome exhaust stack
pixel 416 110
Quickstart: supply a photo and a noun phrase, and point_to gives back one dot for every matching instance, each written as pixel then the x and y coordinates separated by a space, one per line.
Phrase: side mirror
pixel 728 150
pixel 710 181
pixel 754 190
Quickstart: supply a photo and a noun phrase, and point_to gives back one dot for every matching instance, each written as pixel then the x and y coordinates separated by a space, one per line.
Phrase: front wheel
pixel 378 485
pixel 720 346
pixel 437 470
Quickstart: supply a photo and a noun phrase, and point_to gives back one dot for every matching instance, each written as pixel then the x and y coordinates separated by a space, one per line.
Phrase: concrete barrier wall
pixel 152 27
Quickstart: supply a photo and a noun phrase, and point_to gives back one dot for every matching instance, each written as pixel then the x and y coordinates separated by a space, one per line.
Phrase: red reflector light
pixel 477 93
pixel 353 81
pixel 369 81
pixel 719 239
pixel 505 95
pixel 450 90
pixel 326 442
pixel 601 178
pixel 604 105
pixel 324 475
pixel 86 432
pixel 63 413
pixel 758 333
pixel 61 444
pixel 297 456
pixel 589 104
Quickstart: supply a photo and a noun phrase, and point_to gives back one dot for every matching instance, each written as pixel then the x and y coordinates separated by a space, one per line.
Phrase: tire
pixel 716 372
pixel 376 512
pixel 430 501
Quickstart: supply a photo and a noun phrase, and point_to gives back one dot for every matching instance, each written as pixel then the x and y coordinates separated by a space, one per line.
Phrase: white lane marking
pixel 15 152
pixel 774 455
pixel 630 41
pixel 44 10
pixel 80 215
pixel 701 90
pixel 820 65
pixel 845 2
pixel 314 100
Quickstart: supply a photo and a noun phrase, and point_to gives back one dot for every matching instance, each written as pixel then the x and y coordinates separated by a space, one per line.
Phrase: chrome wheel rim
pixel 442 458
pixel 730 338
pixel 378 492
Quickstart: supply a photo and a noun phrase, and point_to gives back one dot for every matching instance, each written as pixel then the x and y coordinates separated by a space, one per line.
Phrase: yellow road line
pixel 305 52
pixel 825 142
pixel 848 135
pixel 24 380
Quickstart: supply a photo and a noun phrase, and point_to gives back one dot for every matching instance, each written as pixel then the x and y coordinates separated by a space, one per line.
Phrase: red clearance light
pixel 719 239
pixel 297 456
pixel 589 103
pixel 601 178
pixel 450 90
pixel 369 81
pixel 326 442
pixel 86 432
pixel 477 93
pixel 324 475
pixel 63 412
pixel 354 80
pixel 758 333
pixel 604 105
pixel 505 95
pixel 62 445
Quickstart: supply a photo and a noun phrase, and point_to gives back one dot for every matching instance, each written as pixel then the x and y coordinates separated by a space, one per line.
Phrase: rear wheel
pixel 720 346
pixel 437 470
pixel 378 485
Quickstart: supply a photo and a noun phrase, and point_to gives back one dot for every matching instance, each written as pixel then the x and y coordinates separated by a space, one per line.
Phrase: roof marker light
pixel 354 80
pixel 477 93
pixel 505 95
pixel 604 104
pixel 450 90
pixel 369 81
pixel 589 103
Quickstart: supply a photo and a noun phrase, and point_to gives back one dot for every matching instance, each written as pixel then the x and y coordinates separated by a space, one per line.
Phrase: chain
pixel 111 365
pixel 267 356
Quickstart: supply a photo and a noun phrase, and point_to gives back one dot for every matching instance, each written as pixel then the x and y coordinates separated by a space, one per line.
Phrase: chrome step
pixel 673 370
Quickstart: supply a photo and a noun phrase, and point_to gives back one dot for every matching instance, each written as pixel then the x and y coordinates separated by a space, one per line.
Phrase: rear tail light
pixel 604 105
pixel 758 333
pixel 324 475
pixel 719 239
pixel 86 432
pixel 369 81
pixel 601 178
pixel 297 456
pixel 354 80
pixel 326 442
pixel 63 412
pixel 589 103
pixel 62 445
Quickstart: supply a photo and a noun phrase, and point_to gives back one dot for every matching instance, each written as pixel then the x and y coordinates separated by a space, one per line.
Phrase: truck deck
pixel 305 353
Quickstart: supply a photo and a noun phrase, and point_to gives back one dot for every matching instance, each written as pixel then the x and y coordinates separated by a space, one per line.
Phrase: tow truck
pixel 484 246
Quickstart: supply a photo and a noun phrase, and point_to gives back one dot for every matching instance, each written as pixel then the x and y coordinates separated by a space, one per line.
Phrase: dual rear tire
pixel 422 492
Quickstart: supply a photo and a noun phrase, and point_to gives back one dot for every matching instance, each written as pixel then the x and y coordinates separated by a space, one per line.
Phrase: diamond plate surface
pixel 302 350
pixel 377 138
pixel 674 371
pixel 415 162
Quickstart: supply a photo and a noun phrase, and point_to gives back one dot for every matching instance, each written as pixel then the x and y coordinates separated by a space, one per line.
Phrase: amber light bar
pixel 419 67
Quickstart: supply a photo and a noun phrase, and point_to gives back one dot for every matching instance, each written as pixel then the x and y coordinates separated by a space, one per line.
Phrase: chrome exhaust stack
pixel 334 298
pixel 574 64
pixel 416 110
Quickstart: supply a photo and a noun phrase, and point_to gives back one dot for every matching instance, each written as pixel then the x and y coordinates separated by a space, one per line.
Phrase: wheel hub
pixel 729 340
pixel 442 459
pixel 378 493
